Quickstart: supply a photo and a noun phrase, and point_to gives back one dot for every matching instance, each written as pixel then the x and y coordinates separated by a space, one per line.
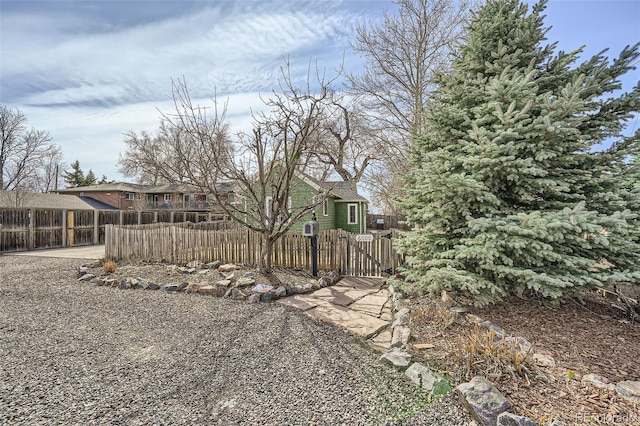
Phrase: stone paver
pixel 362 283
pixel 355 322
pixel 371 304
pixel 304 302
pixel 382 341
pixel 339 295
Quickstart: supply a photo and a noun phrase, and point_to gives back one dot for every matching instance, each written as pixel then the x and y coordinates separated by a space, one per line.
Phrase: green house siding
pixel 342 217
pixel 302 194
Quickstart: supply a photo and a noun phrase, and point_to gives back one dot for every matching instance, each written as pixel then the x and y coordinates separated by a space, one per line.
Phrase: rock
pixel 182 287
pixel 403 312
pixel 400 320
pixel 266 297
pixel 208 290
pixel 298 288
pixel 111 282
pixel 400 336
pixel 280 292
pixel 522 343
pixel 194 264
pixel 509 419
pixel 397 358
pixel 491 326
pixel 193 288
pixel 333 277
pixel 324 282
pixel 473 319
pixel 82 270
pixel 543 360
pixel 239 295
pixel 458 310
pixel 261 288
pixel 629 389
pixel 427 379
pixel 227 267
pixel 245 282
pixel 211 265
pixel 423 346
pixel 223 283
pixel 171 287
pixel 249 274
pixel 483 400
pixel 254 298
pixel 124 284
pixel 139 285
pixel 598 381
pixel 447 300
pixel 86 277
pixel 153 286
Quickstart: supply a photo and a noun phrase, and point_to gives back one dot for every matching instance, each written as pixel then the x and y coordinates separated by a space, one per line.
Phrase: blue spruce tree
pixel 506 192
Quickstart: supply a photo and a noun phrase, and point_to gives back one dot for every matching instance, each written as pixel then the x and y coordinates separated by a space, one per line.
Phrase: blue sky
pixel 88 71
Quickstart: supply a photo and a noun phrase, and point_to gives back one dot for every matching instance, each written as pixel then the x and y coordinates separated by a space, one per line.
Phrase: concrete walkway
pixel 357 304
pixel 84 252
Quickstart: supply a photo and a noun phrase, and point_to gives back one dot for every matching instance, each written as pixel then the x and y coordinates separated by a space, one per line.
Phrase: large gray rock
pixel 86 277
pixel 397 358
pixel 245 282
pixel 400 336
pixel 509 419
pixel 280 292
pixel 228 267
pixel 483 400
pixel 223 283
pixel 212 265
pixel 629 389
pixel 427 379
pixel 598 381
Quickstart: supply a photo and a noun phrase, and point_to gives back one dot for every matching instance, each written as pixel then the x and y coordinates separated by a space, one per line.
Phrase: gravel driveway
pixel 76 353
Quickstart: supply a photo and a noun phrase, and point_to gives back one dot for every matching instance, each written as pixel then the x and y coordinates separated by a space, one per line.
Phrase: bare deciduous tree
pixel 260 169
pixel 402 57
pixel 28 159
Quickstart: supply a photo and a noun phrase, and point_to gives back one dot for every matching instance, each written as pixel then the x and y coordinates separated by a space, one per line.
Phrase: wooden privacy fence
pixel 30 228
pixel 337 250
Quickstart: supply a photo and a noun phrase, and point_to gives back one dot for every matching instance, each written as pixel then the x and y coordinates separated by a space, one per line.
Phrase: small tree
pixel 506 191
pixel 76 176
pixel 28 158
pixel 260 168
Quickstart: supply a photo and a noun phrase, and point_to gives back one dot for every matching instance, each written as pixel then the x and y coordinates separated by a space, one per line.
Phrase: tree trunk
pixel 265 254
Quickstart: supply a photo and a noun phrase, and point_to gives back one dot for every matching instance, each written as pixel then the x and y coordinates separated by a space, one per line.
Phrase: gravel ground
pixel 76 353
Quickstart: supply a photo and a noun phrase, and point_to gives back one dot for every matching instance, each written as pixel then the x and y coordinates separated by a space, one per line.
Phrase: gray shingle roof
pixel 11 199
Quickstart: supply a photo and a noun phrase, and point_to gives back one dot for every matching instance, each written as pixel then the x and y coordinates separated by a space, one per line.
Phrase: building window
pixel 231 198
pixel 353 214
pixel 325 207
pixel 128 196
pixel 289 205
pixel 167 198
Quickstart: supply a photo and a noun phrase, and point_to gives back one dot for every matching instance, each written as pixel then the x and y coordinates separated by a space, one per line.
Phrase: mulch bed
pixel 588 336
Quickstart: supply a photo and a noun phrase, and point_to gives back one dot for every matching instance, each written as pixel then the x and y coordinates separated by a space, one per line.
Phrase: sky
pixel 89 71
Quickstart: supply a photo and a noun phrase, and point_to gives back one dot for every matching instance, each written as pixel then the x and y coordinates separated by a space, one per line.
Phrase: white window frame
pixel 167 198
pixel 129 196
pixel 325 207
pixel 349 206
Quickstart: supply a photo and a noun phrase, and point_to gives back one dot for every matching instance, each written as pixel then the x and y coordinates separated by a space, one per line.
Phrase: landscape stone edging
pixel 627 389
pixel 228 286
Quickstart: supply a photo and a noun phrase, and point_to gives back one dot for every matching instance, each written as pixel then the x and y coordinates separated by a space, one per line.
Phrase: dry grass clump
pixel 110 266
pixel 483 353
pixel 435 315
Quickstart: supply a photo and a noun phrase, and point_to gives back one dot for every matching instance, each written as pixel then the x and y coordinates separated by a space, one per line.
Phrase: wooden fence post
pixel 96 227
pixel 64 227
pixel 69 230
pixel 32 230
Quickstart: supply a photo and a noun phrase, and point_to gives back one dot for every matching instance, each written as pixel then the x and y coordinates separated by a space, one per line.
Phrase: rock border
pixel 225 285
